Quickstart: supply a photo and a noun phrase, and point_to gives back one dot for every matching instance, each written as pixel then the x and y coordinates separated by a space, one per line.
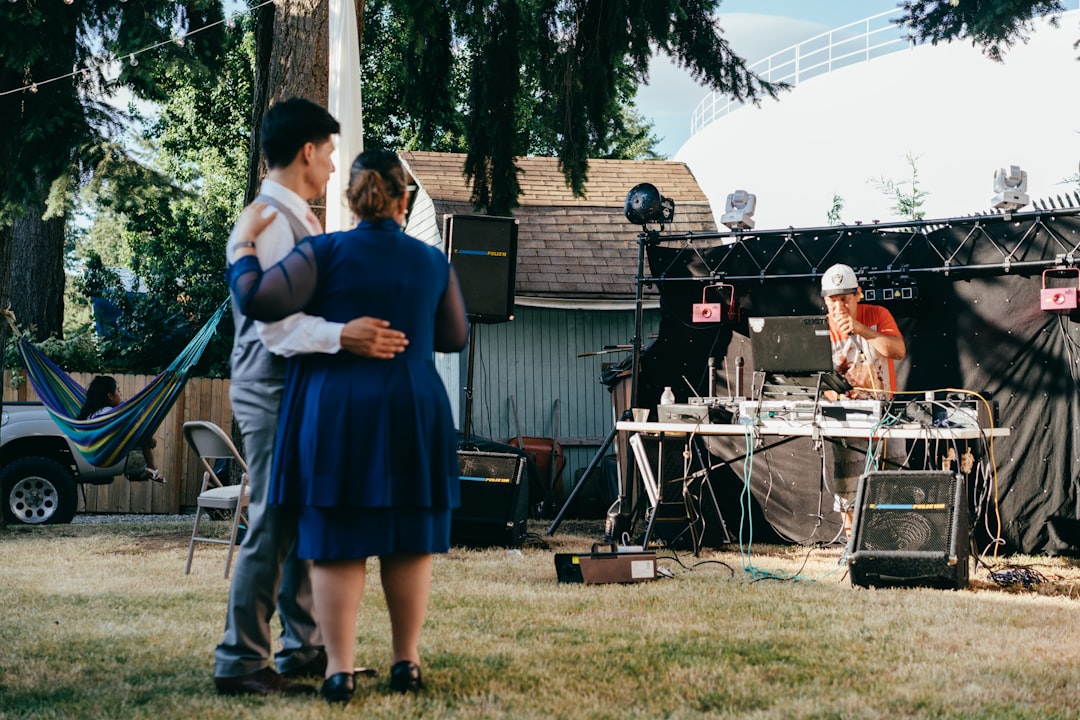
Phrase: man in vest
pixel 865 343
pixel 296 140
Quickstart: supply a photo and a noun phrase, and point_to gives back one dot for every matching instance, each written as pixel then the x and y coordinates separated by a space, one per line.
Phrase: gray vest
pixel 250 360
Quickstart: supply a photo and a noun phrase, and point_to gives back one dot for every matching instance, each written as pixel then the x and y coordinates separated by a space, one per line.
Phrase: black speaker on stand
pixel 911 529
pixel 494 490
pixel 483 251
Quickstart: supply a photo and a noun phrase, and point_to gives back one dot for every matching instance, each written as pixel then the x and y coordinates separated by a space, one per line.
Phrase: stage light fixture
pixel 1059 299
pixel 1010 189
pixel 897 291
pixel 645 205
pixel 723 310
pixel 739 210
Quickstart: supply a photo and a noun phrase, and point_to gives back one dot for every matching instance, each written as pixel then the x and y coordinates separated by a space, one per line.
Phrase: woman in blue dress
pixel 366 449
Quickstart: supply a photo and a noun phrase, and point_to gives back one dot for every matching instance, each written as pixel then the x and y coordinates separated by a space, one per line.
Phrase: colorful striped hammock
pixel 105 440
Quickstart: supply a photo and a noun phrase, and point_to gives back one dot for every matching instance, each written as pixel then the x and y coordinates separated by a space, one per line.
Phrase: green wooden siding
pixel 534 360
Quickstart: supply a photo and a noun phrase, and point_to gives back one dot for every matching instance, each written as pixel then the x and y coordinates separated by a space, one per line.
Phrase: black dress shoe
pixel 338 688
pixel 405 677
pixel 262 682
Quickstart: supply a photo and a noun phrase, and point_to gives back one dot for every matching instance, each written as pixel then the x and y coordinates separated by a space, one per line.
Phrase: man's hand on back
pixel 372 338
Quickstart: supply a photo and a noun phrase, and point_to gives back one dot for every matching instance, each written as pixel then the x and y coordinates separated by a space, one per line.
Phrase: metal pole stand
pixel 623 518
pixel 466 442
pixel 585 475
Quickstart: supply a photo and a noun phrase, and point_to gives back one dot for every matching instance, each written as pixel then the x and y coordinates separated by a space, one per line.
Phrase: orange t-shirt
pixel 848 353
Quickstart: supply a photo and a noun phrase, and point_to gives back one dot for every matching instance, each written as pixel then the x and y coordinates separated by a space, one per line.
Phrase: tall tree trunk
pixel 37 273
pixel 360 5
pixel 7 239
pixel 292 59
pixel 42 130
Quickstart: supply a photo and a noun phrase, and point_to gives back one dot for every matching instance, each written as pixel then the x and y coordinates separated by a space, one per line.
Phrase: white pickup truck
pixel 40 469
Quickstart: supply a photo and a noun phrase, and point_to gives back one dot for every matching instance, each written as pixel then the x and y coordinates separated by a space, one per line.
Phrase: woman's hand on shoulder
pixel 252 221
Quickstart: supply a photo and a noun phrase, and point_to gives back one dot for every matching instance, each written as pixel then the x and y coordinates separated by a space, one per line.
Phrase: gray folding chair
pixel 210 443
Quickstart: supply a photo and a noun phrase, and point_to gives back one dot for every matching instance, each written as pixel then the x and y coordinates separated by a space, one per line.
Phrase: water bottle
pixel 668 397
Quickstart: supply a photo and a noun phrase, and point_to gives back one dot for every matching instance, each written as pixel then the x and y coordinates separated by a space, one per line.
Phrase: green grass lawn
pixel 99 621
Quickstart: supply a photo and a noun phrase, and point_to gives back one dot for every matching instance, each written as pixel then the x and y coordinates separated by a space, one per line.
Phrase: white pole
pixel 345 105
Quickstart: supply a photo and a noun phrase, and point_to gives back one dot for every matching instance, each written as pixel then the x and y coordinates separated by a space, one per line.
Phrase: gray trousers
pixel 849 464
pixel 266 571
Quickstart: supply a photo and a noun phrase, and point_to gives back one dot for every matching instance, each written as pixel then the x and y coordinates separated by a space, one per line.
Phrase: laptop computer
pixel 791 345
pixel 794 352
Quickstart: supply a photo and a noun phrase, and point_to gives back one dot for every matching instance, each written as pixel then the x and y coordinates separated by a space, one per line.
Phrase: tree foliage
pixel 60 61
pixel 176 230
pixel 394 121
pixel 995 25
pixel 833 216
pixel 567 63
pixel 386 61
pixel 907 196
pixel 57 126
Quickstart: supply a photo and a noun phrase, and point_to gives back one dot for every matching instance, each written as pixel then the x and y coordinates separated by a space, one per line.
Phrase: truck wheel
pixel 38 491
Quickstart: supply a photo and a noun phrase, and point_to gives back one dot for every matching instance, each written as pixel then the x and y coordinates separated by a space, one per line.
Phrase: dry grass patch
pixel 100 621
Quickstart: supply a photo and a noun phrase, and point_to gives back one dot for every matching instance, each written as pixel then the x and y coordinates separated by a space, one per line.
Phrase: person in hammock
pixel 102 395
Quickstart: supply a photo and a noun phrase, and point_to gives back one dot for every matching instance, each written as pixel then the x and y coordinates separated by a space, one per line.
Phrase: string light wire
pixel 132 57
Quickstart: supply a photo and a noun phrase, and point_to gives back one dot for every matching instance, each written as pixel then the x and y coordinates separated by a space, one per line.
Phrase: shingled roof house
pixel 576 280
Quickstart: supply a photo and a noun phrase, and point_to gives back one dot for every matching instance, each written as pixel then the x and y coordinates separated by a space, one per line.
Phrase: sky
pixel 944 112
pixel 754 29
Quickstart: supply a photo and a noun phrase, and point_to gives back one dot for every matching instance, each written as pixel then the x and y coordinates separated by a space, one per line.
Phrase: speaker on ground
pixel 494 500
pixel 911 529
pixel 483 251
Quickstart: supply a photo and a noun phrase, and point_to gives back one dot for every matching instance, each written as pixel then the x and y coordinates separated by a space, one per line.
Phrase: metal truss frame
pixel 961 248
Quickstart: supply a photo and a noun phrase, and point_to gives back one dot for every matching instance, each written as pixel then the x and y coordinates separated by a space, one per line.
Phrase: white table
pixel 782 432
pixel 905 432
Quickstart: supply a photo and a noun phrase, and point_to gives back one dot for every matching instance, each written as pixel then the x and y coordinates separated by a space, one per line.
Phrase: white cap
pixel 839 280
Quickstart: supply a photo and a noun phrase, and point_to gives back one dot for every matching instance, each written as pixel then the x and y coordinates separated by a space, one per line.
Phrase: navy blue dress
pixel 366 449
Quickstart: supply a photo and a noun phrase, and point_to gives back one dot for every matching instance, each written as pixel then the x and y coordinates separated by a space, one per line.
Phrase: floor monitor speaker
pixel 494 500
pixel 483 251
pixel 911 529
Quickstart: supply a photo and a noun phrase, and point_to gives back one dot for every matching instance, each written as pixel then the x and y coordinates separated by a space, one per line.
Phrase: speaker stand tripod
pixel 619 518
pixel 466 429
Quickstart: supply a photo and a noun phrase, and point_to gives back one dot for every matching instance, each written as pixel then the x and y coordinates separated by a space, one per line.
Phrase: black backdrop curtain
pixel 974 323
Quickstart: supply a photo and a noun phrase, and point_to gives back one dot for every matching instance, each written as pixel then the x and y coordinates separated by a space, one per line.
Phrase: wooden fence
pixel 201 399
